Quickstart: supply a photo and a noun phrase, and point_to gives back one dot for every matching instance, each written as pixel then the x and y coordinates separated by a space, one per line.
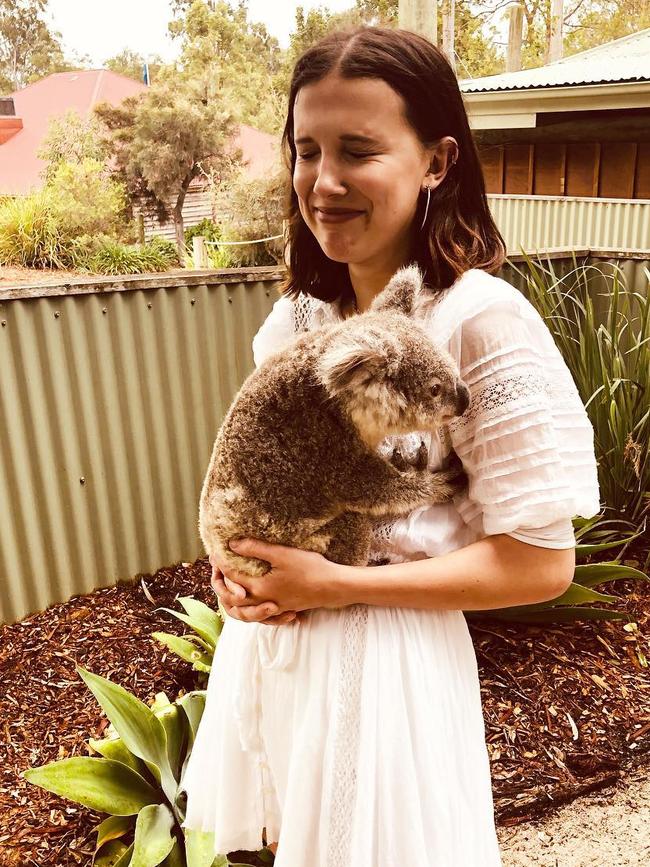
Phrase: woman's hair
pixel 460 233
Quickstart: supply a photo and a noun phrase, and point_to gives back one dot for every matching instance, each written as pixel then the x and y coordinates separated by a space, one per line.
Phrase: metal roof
pixel 624 59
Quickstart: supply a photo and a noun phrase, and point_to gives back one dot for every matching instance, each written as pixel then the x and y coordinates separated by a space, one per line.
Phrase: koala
pixel 295 460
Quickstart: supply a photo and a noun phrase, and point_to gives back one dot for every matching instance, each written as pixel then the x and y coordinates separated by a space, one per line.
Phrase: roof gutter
pixel 518 109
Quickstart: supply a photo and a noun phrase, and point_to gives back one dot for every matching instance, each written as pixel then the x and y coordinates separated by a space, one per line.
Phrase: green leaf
pixel 201 618
pixel 101 784
pixel 153 838
pixel 176 727
pixel 199 848
pixel 175 857
pixel 113 748
pixel 598 573
pixel 110 854
pixel 125 860
pixel 112 829
pixel 193 704
pixel 565 614
pixel 184 648
pixel 137 725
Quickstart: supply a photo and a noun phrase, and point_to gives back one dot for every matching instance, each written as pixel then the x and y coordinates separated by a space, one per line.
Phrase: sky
pixel 102 29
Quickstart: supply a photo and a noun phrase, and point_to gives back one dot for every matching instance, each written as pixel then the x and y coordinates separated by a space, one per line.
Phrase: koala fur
pixel 295 459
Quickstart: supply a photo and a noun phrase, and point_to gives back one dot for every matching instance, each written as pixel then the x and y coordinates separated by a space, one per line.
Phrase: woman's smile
pixel 336 215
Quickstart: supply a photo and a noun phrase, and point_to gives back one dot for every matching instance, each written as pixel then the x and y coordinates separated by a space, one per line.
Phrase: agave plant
pixel 592 537
pixel 137 780
pixel 207 624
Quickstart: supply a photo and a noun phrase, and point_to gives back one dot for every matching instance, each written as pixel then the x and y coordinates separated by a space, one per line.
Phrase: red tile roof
pixel 52 96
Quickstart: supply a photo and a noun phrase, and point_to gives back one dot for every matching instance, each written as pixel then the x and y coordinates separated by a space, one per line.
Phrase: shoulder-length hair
pixel 460 233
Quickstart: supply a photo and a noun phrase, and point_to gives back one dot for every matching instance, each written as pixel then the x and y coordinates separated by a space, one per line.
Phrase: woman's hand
pixel 225 589
pixel 298 580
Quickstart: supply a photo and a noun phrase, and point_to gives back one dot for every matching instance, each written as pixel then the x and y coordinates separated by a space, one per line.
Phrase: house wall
pixel 609 169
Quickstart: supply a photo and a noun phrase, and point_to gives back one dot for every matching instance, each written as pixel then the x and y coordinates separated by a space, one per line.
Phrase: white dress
pixel 356 736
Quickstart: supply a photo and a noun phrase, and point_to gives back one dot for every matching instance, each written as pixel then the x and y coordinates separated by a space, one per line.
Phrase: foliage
pixel 130 63
pixel 604 20
pixel 206 227
pixel 159 138
pixel 86 199
pixel 255 210
pixel 28 48
pixel 105 255
pixel 71 138
pixel 137 779
pixel 198 649
pixel 31 233
pixel 605 341
pixel 63 226
pixel 592 536
pixel 235 58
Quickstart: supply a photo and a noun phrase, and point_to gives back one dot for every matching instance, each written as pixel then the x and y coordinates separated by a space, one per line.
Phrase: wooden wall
pixel 618 170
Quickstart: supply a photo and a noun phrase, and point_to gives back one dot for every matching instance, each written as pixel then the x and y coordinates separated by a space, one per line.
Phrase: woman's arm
pixel 495 572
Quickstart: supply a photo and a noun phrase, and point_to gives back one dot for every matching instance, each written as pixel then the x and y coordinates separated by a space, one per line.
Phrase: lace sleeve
pixel 526 442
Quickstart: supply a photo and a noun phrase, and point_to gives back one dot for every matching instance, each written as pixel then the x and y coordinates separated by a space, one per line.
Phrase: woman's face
pixel 359 169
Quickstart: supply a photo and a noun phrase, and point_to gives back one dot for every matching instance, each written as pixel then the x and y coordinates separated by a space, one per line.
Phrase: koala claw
pixel 454 474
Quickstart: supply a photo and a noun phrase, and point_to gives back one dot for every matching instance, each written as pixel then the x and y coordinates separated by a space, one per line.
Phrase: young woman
pixel 355 735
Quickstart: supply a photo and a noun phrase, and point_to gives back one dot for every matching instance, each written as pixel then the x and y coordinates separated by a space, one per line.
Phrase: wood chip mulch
pixel 566 707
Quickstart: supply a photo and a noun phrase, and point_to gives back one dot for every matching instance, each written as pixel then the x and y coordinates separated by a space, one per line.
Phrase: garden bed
pixel 566 707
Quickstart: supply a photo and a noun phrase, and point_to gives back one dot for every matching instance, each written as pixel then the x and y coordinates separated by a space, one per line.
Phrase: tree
pixel 160 139
pixel 131 64
pixel 237 59
pixel 598 22
pixel 28 49
pixel 71 138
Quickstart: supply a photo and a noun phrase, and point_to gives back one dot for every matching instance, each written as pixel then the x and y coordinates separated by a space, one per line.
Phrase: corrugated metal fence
pixel 111 395
pixel 543 222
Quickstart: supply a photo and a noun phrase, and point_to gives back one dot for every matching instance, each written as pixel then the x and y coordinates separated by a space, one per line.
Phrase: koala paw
pixel 454 475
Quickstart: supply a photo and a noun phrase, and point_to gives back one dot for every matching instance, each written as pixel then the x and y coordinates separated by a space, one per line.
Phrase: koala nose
pixel 462 398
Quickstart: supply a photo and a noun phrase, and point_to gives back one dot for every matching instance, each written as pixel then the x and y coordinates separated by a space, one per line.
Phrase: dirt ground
pixel 14 276
pixel 610 828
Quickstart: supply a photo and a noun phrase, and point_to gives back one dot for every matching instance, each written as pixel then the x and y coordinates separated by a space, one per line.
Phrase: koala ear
pixel 351 364
pixel 402 292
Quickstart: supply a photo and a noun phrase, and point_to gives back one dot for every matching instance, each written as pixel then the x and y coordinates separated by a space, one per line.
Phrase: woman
pixel 356 735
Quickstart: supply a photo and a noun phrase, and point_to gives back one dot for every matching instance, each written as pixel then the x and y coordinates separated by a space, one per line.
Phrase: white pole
pixel 199 253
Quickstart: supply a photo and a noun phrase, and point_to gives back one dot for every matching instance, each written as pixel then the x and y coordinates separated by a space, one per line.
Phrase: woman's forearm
pixel 495 572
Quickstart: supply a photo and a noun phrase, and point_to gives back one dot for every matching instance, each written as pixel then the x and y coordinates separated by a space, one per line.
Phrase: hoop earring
pixel 426 210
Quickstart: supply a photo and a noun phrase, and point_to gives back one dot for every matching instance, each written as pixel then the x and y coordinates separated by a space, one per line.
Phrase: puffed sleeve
pixel 526 442
pixel 276 331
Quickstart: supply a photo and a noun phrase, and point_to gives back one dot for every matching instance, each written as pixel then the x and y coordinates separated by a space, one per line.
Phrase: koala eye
pixel 435 389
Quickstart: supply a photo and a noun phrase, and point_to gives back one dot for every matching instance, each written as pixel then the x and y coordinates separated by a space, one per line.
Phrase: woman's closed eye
pixel 354 154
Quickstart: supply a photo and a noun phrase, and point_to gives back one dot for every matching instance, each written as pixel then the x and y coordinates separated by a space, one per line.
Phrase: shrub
pixel 210 231
pixel 257 209
pixel 605 341
pixel 86 199
pixel 105 255
pixel 31 232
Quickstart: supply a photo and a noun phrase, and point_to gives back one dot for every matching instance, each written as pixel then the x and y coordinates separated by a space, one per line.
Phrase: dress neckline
pixel 333 310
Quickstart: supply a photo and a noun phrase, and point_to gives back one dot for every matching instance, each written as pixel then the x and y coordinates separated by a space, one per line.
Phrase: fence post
pixel 199 252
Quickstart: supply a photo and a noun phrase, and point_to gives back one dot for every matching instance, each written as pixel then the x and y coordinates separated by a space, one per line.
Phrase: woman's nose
pixel 329 181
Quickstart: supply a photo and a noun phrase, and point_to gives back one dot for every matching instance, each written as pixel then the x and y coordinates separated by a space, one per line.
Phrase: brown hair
pixel 460 233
